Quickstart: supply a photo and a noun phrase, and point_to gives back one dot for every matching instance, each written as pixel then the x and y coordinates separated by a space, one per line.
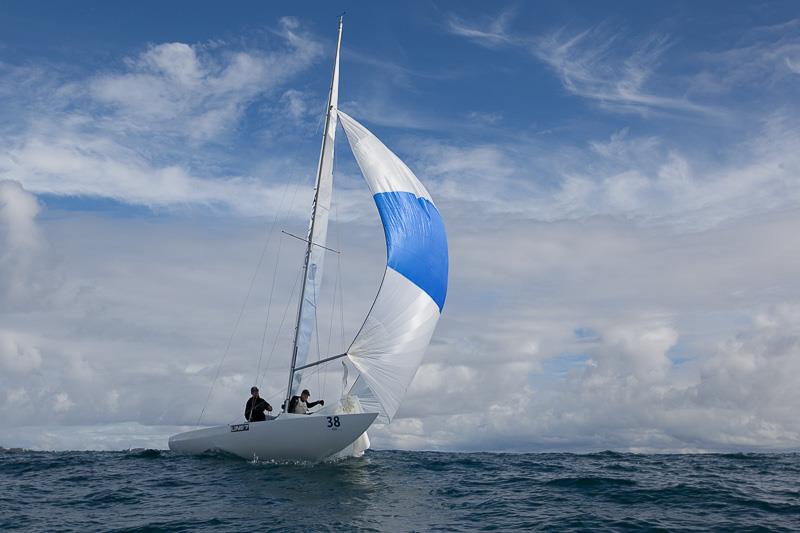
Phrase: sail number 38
pixel 333 422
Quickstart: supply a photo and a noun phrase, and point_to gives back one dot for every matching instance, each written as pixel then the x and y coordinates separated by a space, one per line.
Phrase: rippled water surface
pixel 399 491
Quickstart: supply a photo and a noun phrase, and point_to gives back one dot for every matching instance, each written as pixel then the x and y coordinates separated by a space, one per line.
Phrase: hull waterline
pixel 287 438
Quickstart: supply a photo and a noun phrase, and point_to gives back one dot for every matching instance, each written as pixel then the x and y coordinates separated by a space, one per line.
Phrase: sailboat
pixel 389 347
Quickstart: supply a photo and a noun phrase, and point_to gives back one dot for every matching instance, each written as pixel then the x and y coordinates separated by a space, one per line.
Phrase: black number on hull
pixel 333 422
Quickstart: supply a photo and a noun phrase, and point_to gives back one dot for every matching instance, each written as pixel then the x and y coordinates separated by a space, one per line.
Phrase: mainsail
pixel 388 349
pixel 318 227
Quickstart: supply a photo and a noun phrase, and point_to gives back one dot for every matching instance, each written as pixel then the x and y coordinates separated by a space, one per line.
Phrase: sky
pixel 620 185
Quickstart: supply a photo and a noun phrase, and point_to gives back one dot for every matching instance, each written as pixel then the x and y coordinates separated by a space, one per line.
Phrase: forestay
pixel 392 341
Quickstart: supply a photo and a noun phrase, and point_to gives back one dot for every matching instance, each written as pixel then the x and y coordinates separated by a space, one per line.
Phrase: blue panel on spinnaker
pixel 416 242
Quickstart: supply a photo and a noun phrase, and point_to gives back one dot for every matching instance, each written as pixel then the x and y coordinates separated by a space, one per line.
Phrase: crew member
pixel 255 407
pixel 300 405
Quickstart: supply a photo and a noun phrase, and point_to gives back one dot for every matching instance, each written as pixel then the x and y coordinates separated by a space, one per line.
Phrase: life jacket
pixel 298 406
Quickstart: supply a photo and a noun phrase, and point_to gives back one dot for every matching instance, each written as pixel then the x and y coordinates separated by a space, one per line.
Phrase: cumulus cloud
pixel 557 335
pixel 124 133
pixel 18 210
pixel 745 381
pixel 22 276
pixel 606 336
pixel 624 392
pixel 193 90
pixel 98 362
pixel 17 356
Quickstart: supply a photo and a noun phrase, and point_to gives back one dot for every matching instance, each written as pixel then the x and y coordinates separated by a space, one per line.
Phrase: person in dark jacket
pixel 255 407
pixel 300 405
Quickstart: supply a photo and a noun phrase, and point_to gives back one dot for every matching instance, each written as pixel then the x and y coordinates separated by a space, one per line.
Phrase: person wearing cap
pixel 255 407
pixel 300 405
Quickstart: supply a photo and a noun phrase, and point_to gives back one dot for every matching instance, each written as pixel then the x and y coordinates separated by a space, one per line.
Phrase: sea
pixel 153 490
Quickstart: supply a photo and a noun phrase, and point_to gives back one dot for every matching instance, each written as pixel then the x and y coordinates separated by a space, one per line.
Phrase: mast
pixel 326 139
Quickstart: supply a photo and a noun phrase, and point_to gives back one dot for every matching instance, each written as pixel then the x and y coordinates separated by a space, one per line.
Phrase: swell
pixel 140 490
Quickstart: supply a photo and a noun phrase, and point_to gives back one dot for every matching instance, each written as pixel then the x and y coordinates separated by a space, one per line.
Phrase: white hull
pixel 287 438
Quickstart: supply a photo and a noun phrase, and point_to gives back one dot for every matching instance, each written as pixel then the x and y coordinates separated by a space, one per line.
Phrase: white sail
pixel 318 226
pixel 391 344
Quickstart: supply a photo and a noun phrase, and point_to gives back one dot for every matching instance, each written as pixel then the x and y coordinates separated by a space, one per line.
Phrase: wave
pixel 143 489
pixel 590 482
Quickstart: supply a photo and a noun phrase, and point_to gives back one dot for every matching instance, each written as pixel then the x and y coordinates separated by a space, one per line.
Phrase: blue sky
pixel 619 184
pixel 551 77
pixel 406 66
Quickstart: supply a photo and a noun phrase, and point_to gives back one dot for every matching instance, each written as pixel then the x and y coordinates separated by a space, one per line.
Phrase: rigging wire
pixel 283 319
pixel 339 276
pixel 330 329
pixel 339 283
pixel 277 337
pixel 269 308
pixel 275 272
pixel 337 287
pixel 246 299
pixel 235 328
pixel 333 315
pixel 341 310
pixel 320 129
pixel 316 330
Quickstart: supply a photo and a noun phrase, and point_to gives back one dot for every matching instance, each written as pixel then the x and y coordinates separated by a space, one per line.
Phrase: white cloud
pixel 685 332
pixel 17 355
pixel 590 65
pixel 763 58
pixel 18 209
pixel 186 90
pixel 110 437
pixel 491 33
pixel 647 179
pixel 24 275
pixel 295 104
pixel 69 162
pixel 596 64
pixel 488 119
pixel 629 395
pixel 62 402
pixel 135 134
pixel 622 74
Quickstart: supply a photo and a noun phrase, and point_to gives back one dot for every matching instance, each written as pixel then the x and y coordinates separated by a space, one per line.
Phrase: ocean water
pixel 399 491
